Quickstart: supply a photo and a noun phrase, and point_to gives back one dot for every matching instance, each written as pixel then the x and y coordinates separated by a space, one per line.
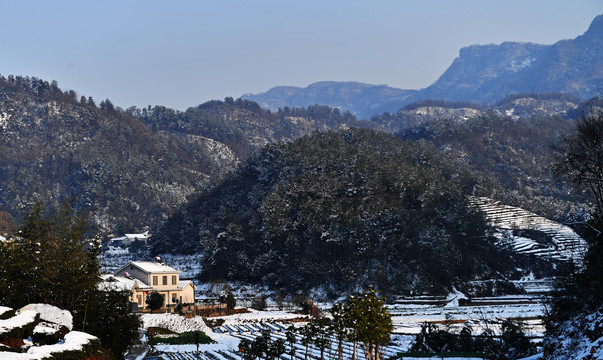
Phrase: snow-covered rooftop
pixel 119 282
pixel 138 236
pixel 154 267
pixel 184 283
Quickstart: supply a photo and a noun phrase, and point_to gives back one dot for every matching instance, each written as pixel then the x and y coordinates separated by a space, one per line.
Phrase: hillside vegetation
pixel 340 210
pixel 131 167
pixel 53 146
pixel 512 157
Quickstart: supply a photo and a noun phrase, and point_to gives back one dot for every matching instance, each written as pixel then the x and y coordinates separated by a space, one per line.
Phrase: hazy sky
pixel 183 53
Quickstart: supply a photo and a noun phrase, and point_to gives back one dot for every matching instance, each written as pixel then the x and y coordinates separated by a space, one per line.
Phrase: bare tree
pixel 580 157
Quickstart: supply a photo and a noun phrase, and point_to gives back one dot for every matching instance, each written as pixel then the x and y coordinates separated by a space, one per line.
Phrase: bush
pixel 259 303
pixel 23 331
pixel 154 300
pixel 513 343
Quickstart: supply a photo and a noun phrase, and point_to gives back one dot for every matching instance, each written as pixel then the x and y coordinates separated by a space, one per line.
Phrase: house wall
pixel 171 282
pixel 188 295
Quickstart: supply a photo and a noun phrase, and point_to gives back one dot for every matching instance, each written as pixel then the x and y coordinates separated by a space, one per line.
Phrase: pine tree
pixel 371 321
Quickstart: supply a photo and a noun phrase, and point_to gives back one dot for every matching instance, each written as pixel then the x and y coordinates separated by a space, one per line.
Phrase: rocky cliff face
pixel 486 73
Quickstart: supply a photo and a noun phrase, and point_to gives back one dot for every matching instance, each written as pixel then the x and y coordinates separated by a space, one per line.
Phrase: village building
pixel 128 239
pixel 144 277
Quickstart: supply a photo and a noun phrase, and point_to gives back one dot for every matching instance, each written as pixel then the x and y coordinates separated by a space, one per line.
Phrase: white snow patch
pixel 454 297
pixel 17 321
pixel 4 309
pixel 175 322
pixel 74 341
pixel 51 314
pixel 41 329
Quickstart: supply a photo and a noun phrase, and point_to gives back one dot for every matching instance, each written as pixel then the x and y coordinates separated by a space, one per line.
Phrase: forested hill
pixel 513 157
pixel 54 145
pixel 340 209
pixel 242 124
pixel 131 167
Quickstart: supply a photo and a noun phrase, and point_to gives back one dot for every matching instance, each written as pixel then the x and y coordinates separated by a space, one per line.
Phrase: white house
pixel 143 277
pixel 127 239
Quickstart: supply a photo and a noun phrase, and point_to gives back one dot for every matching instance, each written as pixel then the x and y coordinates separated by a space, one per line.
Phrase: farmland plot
pixel 407 317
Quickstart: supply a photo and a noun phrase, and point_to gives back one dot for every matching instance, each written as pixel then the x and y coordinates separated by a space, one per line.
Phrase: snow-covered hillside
pixel 548 238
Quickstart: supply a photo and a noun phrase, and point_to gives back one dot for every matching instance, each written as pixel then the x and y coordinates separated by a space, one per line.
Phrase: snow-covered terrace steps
pixel 565 243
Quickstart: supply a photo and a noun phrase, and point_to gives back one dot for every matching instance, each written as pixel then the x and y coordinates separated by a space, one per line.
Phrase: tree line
pixel 52 259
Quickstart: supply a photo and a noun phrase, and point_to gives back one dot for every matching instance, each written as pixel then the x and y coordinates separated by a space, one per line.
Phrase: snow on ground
pixel 226 343
pixel 407 319
pixel 260 316
pixel 174 322
pixel 180 324
pixel 562 242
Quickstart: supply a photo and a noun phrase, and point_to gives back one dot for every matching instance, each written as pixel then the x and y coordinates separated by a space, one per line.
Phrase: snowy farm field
pixel 407 317
pixel 244 326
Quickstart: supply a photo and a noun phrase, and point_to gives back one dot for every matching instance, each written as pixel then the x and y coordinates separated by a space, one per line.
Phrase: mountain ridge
pixel 481 73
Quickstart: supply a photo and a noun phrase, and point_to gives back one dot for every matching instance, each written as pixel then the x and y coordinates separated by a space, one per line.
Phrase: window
pixel 139 299
pixel 155 281
pixel 164 279
pixel 174 282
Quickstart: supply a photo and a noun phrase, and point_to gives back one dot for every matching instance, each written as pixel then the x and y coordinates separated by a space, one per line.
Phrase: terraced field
pixel 251 329
pixel 553 239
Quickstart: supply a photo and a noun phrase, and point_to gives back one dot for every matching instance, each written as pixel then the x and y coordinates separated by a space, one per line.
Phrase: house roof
pixel 184 283
pixel 145 235
pixel 138 236
pixel 150 267
pixel 119 282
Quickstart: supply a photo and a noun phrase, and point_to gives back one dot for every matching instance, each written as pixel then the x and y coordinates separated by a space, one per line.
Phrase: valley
pixel 459 218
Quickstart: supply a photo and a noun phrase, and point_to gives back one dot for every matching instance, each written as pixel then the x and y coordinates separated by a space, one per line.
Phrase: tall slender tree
pixel 372 323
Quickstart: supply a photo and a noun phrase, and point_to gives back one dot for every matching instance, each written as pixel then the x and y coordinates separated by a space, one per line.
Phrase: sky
pixel 183 53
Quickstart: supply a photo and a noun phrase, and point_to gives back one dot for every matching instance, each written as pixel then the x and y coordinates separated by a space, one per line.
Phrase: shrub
pixel 259 303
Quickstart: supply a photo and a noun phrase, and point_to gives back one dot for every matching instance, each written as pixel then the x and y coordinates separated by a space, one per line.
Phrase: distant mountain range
pixel 481 74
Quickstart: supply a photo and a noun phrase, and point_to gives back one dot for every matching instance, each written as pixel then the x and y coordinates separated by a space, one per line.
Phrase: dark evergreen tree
pixel 110 319
pixel 154 300
pixel 52 260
